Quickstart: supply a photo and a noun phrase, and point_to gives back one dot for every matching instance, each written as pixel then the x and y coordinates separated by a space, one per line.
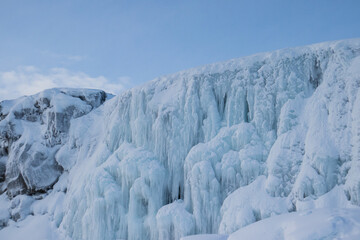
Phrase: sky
pixel 115 45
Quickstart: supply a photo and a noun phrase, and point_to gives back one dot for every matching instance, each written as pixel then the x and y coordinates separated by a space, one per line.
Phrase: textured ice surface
pixel 284 119
pixel 168 222
pixel 249 204
pixel 208 150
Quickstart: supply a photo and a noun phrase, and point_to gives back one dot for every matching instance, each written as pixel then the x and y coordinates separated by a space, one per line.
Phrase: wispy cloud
pixel 30 80
pixel 76 58
pixel 64 58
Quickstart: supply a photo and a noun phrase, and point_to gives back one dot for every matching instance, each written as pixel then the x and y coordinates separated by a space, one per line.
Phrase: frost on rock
pixel 32 129
pixel 207 150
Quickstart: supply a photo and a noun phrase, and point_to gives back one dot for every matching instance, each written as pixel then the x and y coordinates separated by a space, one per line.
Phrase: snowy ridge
pixel 216 148
pixel 32 129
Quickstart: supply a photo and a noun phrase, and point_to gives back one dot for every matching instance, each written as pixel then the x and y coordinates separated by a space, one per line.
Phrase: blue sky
pixel 119 44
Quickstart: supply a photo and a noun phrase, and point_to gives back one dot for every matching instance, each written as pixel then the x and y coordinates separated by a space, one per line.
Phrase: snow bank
pixel 248 205
pixel 311 225
pixel 32 228
pixel 205 237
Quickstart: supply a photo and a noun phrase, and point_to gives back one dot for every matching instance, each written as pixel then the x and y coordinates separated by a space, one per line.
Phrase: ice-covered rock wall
pixel 207 150
pixel 216 148
pixel 32 129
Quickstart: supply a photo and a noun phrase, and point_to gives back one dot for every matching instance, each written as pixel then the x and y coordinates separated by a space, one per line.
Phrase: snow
pixel 248 205
pixel 4 211
pixel 210 150
pixel 206 237
pixel 310 225
pixel 168 222
pixel 32 228
pixel 333 199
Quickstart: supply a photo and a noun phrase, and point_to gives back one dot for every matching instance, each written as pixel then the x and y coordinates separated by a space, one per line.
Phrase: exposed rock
pixel 31 131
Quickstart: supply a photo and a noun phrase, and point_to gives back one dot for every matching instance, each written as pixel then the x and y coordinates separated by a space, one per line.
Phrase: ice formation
pixel 204 151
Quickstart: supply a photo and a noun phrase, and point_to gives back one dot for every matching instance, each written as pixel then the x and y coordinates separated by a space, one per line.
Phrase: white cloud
pixel 76 58
pixel 64 58
pixel 30 80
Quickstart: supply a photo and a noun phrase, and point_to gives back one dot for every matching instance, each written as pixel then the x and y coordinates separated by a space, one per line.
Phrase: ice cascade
pixel 182 144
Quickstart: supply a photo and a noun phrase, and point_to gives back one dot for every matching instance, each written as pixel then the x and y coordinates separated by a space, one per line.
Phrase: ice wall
pixel 192 144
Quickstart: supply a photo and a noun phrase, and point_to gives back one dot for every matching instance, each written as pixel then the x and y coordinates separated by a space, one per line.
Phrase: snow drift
pixel 207 150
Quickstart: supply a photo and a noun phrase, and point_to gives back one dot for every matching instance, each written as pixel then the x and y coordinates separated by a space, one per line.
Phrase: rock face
pixel 32 129
pixel 207 150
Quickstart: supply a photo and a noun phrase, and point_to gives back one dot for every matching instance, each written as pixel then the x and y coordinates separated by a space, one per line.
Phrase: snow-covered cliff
pixel 207 150
pixel 32 131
